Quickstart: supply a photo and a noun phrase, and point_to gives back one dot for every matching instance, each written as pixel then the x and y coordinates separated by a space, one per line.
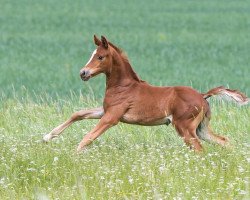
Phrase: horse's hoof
pixel 47 138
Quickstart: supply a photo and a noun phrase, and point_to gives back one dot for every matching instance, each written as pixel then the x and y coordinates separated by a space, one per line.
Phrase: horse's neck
pixel 121 74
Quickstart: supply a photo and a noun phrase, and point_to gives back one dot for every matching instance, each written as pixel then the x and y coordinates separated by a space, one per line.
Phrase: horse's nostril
pixel 85 75
pixel 82 73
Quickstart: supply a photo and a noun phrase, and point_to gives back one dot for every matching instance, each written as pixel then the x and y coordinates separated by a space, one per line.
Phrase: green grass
pixel 44 44
pixel 128 161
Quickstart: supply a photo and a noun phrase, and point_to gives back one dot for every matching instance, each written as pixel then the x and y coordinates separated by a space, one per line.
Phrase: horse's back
pixel 171 93
pixel 177 100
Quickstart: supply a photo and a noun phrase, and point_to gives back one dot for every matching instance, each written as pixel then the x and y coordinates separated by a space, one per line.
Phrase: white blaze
pixel 94 52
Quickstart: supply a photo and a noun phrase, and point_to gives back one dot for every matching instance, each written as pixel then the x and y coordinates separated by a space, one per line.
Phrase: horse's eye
pixel 100 57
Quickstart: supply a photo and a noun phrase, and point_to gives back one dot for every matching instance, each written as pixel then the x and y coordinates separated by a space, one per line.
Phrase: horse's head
pixel 99 62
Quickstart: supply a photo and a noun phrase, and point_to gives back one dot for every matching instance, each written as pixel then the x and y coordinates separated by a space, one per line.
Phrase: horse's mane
pixel 125 58
pixel 120 51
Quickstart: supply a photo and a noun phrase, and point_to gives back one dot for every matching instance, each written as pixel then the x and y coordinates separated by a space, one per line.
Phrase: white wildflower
pixel 56 159
pixel 241 169
pixel 243 192
pixel 31 169
pixel 2 181
pixel 130 180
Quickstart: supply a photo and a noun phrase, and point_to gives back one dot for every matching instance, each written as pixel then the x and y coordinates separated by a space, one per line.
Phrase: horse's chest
pixel 115 100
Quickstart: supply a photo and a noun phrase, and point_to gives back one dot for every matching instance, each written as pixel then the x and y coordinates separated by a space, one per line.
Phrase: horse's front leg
pixel 107 121
pixel 95 113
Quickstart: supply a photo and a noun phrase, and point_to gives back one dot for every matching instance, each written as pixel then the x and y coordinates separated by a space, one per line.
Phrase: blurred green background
pixel 43 44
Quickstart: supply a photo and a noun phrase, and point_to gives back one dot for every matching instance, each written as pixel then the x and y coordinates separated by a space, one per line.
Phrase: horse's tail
pixel 228 94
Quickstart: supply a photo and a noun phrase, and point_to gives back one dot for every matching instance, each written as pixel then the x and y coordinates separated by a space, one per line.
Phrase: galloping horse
pixel 130 100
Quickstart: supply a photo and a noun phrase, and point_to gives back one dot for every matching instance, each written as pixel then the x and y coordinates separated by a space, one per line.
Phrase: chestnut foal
pixel 131 100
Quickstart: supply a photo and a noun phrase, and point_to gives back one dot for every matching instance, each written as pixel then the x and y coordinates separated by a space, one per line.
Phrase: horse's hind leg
pixel 188 133
pixel 221 140
pixel 204 132
pixel 186 127
pixel 95 113
pixel 190 138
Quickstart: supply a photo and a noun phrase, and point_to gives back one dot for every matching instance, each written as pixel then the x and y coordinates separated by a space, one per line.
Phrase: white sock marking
pixel 47 137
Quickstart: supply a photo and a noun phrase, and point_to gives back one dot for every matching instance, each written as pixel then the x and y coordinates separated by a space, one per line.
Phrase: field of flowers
pixel 128 162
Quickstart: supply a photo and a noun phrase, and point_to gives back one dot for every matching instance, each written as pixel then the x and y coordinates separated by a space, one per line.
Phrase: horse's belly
pixel 146 120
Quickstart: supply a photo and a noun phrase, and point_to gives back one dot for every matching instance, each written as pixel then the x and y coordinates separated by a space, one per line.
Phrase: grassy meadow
pixel 43 45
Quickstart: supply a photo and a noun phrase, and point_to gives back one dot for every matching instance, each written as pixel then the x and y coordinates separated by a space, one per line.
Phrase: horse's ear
pixel 104 42
pixel 97 41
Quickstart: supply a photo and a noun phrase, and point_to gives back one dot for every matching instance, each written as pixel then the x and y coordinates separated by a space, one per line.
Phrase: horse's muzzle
pixel 85 75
